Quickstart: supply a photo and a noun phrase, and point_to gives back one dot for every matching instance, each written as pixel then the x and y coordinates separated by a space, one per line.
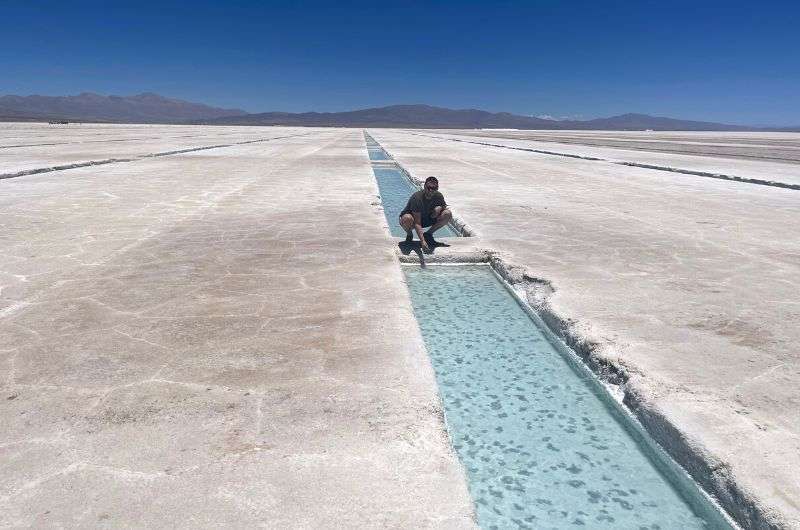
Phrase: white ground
pixel 222 337
pixel 215 339
pixel 769 157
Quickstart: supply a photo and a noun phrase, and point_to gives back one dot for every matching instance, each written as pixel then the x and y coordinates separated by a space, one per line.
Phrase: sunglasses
pixel 430 187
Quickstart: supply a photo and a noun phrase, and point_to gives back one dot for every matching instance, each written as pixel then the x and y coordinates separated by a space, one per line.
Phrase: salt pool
pixel 543 444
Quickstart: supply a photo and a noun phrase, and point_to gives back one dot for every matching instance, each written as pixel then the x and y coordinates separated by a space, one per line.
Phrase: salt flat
pixel 689 284
pixel 763 157
pixel 223 336
pixel 27 147
pixel 740 145
pixel 218 338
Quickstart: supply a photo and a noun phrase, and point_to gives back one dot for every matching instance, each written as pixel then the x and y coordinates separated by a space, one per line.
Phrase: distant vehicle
pixel 59 122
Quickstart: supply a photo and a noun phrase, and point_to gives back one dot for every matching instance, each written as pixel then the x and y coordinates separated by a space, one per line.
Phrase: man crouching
pixel 425 208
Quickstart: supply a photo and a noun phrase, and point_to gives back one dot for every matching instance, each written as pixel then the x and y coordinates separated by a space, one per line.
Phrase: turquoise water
pixel 542 445
pixel 377 154
pixel 395 189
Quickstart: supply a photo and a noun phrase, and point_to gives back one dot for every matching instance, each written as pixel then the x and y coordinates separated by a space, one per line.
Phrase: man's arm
pixel 418 228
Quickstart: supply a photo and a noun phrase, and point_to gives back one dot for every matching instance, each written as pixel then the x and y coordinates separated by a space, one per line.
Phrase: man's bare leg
pixel 407 223
pixel 411 222
pixel 442 218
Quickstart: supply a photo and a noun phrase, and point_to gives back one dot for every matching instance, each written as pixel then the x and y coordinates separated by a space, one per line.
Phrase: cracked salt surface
pixel 542 446
pixel 179 339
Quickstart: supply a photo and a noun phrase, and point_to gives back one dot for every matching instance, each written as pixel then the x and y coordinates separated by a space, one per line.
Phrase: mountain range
pixel 141 108
pixel 152 108
pixel 427 117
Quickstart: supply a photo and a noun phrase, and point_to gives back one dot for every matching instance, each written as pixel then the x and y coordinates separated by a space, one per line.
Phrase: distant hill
pixel 425 116
pixel 152 108
pixel 639 122
pixel 421 116
pixel 141 108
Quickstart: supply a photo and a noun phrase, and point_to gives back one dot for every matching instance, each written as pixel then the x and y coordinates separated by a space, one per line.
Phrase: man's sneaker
pixel 409 237
pixel 429 239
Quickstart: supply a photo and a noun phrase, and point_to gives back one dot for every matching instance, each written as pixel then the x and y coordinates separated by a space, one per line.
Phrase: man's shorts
pixel 426 221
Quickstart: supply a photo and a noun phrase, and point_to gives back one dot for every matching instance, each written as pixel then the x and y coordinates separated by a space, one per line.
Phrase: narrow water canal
pixel 542 444
pixel 377 154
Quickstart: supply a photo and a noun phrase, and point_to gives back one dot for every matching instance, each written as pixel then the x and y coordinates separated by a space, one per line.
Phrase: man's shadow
pixel 407 247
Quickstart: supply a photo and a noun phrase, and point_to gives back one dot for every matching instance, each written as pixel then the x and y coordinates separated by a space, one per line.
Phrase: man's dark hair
pixel 432 179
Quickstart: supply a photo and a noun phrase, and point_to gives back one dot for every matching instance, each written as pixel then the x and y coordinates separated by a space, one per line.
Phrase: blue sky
pixel 733 61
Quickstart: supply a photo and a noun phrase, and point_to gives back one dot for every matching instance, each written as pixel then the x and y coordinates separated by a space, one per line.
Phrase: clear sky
pixel 732 61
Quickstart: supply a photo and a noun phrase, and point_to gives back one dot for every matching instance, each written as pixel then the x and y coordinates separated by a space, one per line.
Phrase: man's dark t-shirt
pixel 417 203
